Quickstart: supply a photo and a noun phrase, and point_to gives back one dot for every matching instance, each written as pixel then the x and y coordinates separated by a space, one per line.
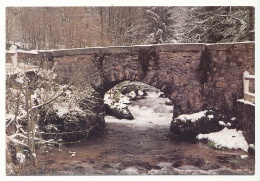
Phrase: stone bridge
pixel 194 76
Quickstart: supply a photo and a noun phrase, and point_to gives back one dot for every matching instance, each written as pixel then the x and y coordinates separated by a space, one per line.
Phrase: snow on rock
pixel 120 107
pixel 233 119
pixel 251 146
pixel 210 116
pixel 226 138
pixel 222 123
pixel 251 149
pixel 192 117
pixel 60 110
pixel 20 157
pixel 140 92
pixel 243 156
pixel 9 117
pixel 132 94
pixel 66 108
pixel 20 78
pixel 228 124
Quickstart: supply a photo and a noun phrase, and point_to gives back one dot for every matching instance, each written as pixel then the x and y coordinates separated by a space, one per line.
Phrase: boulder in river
pixel 116 102
pixel 187 126
pixel 119 110
pixel 134 91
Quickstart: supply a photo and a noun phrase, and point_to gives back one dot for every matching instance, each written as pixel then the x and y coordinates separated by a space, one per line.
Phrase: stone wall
pixel 224 67
pixel 246 115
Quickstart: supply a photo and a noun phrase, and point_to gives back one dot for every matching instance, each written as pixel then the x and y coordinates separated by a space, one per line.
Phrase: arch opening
pixel 137 104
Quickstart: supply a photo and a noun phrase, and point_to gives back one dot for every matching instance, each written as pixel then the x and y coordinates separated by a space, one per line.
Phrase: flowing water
pixel 139 146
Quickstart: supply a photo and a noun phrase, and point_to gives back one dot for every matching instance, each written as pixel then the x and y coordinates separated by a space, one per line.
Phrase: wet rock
pixel 210 166
pixel 167 170
pixel 63 173
pixel 188 167
pixel 129 88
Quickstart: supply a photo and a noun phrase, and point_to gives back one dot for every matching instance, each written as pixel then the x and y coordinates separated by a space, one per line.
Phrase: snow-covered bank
pixel 226 138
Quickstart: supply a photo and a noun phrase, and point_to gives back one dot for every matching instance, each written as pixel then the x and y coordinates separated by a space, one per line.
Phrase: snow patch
pixel 226 138
pixel 124 100
pixel 20 157
pixel 233 119
pixel 228 124
pixel 192 117
pixel 222 123
pixel 243 157
pixel 210 116
pixel 65 108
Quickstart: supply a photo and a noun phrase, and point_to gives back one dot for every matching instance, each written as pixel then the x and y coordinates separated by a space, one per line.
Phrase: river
pixel 139 146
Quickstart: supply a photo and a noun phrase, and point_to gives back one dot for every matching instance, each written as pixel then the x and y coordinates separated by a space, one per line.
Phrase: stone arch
pixel 170 68
pixel 142 66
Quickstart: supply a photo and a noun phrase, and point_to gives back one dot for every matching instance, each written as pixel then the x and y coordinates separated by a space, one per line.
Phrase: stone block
pixel 228 76
pixel 221 85
pixel 118 67
pixel 120 75
pixel 233 88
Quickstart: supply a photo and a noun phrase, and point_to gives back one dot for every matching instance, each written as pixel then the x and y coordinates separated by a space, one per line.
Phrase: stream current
pixel 139 146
